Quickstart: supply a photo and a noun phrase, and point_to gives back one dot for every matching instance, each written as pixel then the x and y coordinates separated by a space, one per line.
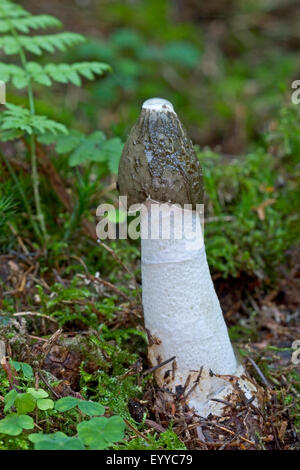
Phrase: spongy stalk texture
pixel 182 310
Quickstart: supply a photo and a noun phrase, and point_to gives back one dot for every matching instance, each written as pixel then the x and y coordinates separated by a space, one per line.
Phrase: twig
pixel 138 433
pixel 51 341
pixel 186 384
pixel 222 401
pixel 149 371
pixel 231 432
pixel 109 285
pixel 195 383
pixel 225 218
pixel 154 425
pixel 263 378
pixel 100 280
pixel 37 338
pixel 35 314
pixel 41 376
pixel 19 239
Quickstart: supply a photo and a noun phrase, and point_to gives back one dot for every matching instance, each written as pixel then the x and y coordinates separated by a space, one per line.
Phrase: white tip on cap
pixel 158 104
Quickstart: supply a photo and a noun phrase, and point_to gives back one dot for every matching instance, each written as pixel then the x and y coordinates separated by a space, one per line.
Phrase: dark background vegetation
pixel 227 67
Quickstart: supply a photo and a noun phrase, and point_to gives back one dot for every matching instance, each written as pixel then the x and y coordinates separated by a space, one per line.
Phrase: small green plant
pixel 26 369
pixel 92 148
pixel 55 441
pixel 90 408
pixel 95 434
pixel 98 433
pixel 14 424
pixel 24 123
pixel 28 401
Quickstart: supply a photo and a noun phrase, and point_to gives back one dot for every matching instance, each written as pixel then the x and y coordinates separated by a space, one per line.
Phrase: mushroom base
pixel 202 391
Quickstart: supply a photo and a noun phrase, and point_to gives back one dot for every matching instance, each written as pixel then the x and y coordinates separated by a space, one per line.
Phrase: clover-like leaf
pixel 9 399
pixel 45 404
pixel 36 437
pixel 40 393
pixel 14 424
pixel 114 429
pixel 25 368
pixel 55 441
pixel 25 403
pixel 66 404
pixel 91 408
pixel 99 433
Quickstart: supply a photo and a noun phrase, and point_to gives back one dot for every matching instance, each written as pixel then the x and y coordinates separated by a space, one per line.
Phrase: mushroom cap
pixel 158 104
pixel 158 160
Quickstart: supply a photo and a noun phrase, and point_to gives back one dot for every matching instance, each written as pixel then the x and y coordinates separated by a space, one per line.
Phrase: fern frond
pixel 89 69
pixel 36 44
pixel 44 75
pixel 18 118
pixel 20 77
pixel 16 74
pixel 32 22
pixel 11 10
pixel 38 74
pixel 65 73
pixel 81 148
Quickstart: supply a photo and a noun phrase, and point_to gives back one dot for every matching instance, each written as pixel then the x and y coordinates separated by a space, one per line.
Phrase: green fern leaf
pixel 83 148
pixel 20 78
pixel 36 44
pixel 20 81
pixel 67 143
pixel 56 73
pixel 89 149
pixel 7 71
pixel 64 143
pixel 112 150
pixel 6 136
pixel 11 10
pixel 33 22
pixel 89 69
pixel 18 118
pixel 42 124
pixel 43 75
pixel 37 73
pixel 9 44
pixel 65 73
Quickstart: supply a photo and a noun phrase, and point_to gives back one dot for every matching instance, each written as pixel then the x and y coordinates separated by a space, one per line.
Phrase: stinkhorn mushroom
pixel 183 317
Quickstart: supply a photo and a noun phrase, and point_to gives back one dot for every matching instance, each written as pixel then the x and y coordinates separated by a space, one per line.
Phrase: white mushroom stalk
pixel 182 313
